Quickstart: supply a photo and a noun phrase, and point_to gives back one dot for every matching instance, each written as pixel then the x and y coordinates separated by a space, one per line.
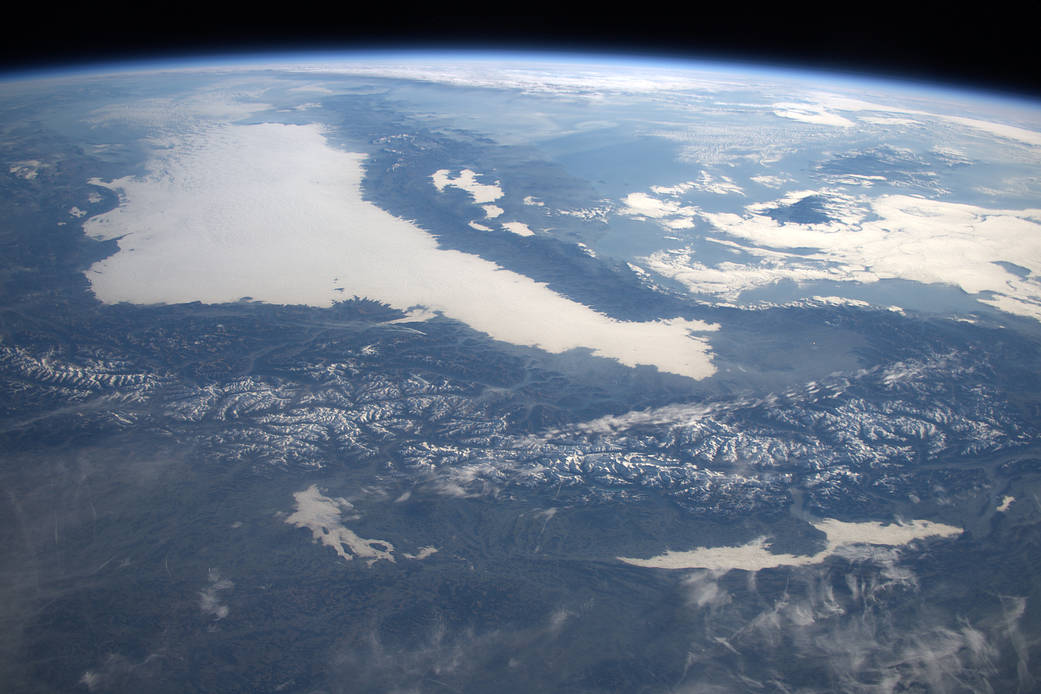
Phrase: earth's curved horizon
pixel 411 371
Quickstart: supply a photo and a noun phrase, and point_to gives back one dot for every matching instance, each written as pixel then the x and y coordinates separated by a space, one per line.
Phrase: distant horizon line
pixel 287 58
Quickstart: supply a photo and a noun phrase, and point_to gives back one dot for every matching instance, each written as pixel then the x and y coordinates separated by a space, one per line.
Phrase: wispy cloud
pixel 838 623
pixel 1015 133
pixel 451 659
pixel 574 79
pixel 209 600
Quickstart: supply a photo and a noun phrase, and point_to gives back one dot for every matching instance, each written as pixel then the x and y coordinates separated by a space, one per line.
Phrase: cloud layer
pixel 271 211
pixel 865 240
pixel 843 537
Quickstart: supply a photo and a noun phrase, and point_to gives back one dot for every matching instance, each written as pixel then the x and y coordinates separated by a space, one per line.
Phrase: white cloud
pixel 598 213
pixel 840 301
pixel 1021 306
pixel 586 249
pixel 838 621
pixel 842 537
pixel 558 619
pixel 209 600
pixel 570 78
pixel 678 189
pixel 317 88
pixel 679 223
pixel 888 120
pixel 1002 130
pixel 706 182
pixel 815 114
pixel 855 179
pixel 892 236
pixel 644 205
pixel 670 212
pixel 518 228
pixel 720 185
pixel 273 212
pixel 28 169
pixel 727 280
pixel 467 180
pixel 322 515
pixel 174 114
pixel 770 181
pixel 1014 607
pixel 704 590
pixel 1020 186
pixel 837 205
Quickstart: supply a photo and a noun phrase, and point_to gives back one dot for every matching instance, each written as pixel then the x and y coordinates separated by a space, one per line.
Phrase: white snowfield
pixel 273 212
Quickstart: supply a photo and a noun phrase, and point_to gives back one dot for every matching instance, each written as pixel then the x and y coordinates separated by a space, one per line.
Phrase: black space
pixel 992 51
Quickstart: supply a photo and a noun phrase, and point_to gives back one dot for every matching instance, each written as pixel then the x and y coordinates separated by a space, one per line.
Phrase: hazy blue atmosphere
pixel 432 371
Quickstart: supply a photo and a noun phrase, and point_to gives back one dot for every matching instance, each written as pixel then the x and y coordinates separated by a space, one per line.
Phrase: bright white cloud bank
pixel 824 101
pixel 271 211
pixel 891 236
pixel 842 537
pixel 815 114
